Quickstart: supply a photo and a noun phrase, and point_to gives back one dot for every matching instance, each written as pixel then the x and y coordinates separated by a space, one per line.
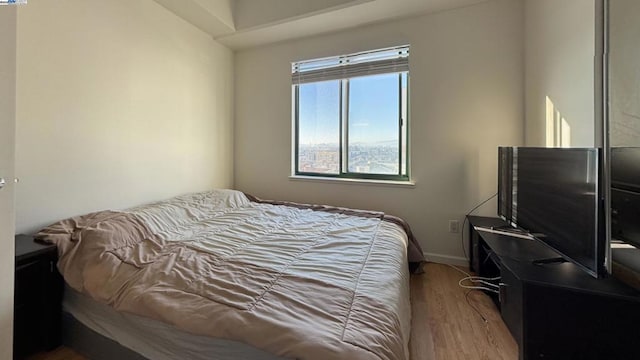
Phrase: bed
pixel 223 275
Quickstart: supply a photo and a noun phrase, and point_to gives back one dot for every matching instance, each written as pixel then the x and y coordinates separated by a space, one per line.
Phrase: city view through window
pixel 371 135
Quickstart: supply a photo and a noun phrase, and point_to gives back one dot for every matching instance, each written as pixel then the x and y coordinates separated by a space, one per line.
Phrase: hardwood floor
pixel 444 325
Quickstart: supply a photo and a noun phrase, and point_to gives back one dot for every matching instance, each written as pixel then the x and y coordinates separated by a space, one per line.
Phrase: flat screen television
pixel 505 186
pixel 625 194
pixel 557 197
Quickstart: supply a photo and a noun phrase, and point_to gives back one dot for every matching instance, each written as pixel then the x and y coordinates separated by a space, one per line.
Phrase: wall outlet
pixel 454 226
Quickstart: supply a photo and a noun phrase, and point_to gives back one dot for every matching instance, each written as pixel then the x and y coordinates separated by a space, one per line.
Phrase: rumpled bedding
pixel 293 281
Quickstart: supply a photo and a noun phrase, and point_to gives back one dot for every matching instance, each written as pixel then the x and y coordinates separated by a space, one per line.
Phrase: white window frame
pixel 394 60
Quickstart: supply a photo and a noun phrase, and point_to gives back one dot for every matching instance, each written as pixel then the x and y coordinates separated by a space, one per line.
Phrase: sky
pixel 373 110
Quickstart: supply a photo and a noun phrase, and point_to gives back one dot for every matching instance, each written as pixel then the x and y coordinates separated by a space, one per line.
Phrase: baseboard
pixel 446 259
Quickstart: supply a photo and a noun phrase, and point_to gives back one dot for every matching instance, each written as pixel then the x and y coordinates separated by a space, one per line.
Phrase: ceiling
pixel 240 24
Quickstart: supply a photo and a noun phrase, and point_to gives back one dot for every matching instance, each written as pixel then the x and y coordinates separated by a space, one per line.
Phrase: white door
pixel 7 141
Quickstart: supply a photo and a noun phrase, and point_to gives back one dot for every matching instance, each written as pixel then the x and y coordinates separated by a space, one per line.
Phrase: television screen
pixel 505 182
pixel 558 201
pixel 625 168
pixel 625 194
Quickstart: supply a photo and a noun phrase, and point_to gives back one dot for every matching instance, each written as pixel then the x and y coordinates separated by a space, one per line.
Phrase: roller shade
pixel 383 61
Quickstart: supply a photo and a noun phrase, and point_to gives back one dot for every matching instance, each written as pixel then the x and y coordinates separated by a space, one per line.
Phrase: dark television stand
pixel 555 310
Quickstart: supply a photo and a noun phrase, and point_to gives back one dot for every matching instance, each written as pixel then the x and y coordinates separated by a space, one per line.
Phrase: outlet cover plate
pixel 454 226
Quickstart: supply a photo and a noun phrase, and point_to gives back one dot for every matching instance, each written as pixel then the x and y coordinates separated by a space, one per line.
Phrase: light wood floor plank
pixel 444 326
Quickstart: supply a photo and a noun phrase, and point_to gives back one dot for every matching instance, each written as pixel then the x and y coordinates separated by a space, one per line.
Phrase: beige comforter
pixel 295 282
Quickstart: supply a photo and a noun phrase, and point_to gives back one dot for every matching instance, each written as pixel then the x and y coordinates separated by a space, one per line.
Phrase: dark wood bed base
pixel 91 344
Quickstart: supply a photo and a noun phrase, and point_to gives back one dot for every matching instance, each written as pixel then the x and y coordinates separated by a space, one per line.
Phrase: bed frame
pixel 91 344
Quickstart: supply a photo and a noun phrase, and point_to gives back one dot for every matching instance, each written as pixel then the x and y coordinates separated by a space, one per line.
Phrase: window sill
pixel 328 180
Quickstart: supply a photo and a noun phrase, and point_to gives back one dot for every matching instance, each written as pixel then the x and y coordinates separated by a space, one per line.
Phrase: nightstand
pixel 37 298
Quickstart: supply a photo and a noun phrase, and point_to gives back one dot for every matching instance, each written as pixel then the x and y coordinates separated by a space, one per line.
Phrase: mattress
pixel 151 338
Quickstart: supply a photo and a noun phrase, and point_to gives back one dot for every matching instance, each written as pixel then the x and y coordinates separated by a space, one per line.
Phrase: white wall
pixel 118 103
pixel 560 49
pixel 624 73
pixel 7 131
pixel 466 99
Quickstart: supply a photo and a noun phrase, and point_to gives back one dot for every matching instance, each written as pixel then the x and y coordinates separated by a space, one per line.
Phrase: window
pixel 350 115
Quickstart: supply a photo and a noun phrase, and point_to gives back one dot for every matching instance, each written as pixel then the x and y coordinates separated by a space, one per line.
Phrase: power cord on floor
pixel 476 279
pixel 484 281
pixel 466 296
pixel 458 269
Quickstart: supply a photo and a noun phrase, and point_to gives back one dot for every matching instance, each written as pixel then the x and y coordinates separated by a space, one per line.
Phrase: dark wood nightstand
pixel 37 298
